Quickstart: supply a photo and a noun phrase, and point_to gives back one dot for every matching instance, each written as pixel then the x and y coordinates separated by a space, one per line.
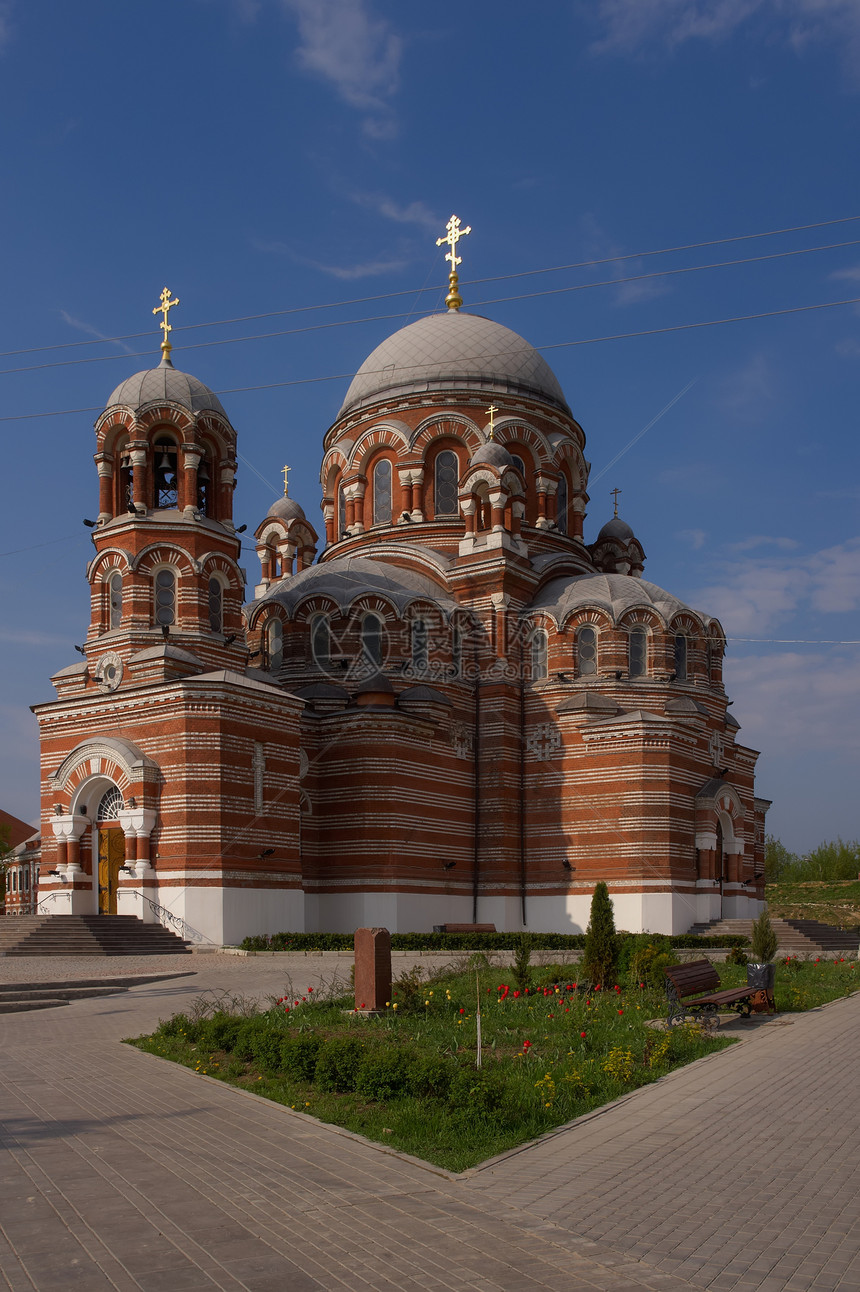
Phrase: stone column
pixel 105 469
pixel 405 478
pixel 417 483
pixel 138 462
pixel 576 515
pixel 468 507
pixel 497 503
pixel 188 499
pixel 372 970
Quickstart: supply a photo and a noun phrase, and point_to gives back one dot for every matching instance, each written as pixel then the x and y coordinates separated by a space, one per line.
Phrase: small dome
pixel 453 351
pixel 166 384
pixel 492 454
pixel 285 509
pixel 617 529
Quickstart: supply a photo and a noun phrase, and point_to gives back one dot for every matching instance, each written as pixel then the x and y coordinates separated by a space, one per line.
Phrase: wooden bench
pixel 686 981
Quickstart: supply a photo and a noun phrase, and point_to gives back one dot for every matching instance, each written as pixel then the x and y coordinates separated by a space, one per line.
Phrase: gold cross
pixel 492 410
pixel 286 471
pixel 164 308
pixel 615 493
pixel 453 300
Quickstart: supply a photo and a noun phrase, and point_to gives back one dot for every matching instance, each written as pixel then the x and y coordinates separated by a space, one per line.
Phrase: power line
pixel 382 296
pixel 376 318
pixel 555 345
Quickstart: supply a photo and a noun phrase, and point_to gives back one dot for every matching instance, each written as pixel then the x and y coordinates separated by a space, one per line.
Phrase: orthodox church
pixel 449 707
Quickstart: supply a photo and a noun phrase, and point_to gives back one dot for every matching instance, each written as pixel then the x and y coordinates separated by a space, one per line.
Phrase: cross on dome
pixel 615 493
pixel 164 309
pixel 453 300
pixel 285 473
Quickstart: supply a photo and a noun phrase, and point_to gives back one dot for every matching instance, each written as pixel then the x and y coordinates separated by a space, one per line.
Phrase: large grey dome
pixel 453 351
pixel 166 383
pixel 286 509
pixel 616 528
pixel 493 454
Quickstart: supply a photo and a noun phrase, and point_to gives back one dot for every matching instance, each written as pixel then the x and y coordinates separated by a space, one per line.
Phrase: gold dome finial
pixel 615 493
pixel 453 300
pixel 164 309
pixel 492 410
pixel 285 474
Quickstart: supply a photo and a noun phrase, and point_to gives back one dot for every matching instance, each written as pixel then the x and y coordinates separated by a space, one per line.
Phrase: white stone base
pixel 227 915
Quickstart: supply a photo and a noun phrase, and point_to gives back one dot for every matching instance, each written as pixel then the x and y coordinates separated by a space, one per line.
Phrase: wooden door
pixel 111 857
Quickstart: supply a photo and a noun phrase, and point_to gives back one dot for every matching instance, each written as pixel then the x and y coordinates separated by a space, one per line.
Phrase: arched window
pixel 519 464
pixel 125 481
pixel 447 476
pixel 164 473
pixel 637 653
pixel 540 654
pixel 371 640
pixel 204 480
pixel 115 599
pixel 341 512
pixel 274 644
pixel 111 803
pixel 561 501
pixel 165 597
pixel 680 657
pixel 216 605
pixel 321 641
pixel 586 651
pixel 420 646
pixel 382 493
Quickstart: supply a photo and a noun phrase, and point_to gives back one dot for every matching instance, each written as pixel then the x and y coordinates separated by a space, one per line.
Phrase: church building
pixel 449 706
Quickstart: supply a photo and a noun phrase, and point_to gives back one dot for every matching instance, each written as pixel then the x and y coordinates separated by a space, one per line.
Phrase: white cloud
pixel 364 269
pixel 599 245
pixel 88 328
pixel 412 213
pixel 794 702
pixel 632 26
pixel 356 53
pixel 31 637
pixel 764 540
pixel 694 538
pixel 752 596
pixel 851 274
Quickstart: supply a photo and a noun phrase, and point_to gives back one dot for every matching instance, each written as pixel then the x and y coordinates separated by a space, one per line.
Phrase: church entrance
pixel 111 850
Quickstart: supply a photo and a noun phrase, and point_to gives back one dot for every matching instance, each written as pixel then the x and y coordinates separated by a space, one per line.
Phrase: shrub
pixel 431 1075
pixel 600 956
pixel 299 1056
pixel 220 1031
pixel 179 1026
pixel 737 956
pixel 338 1064
pixel 410 988
pixel 650 962
pixel 476 1092
pixel 386 1073
pixel 764 942
pixel 246 1039
pixel 521 968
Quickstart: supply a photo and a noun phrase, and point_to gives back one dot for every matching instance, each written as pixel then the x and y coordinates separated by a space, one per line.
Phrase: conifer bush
pixel 764 941
pixel 600 957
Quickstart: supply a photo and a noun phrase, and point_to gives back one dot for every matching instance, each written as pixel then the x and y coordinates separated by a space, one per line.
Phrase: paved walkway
pixel 120 1171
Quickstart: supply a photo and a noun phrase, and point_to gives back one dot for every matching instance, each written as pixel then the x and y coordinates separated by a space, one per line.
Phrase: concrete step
pixel 22 1006
pixel 18 997
pixel 94 935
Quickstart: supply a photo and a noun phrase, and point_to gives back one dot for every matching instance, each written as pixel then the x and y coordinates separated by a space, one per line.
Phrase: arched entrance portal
pixel 111 849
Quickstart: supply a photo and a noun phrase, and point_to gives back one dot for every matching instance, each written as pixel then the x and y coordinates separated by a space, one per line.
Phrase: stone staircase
pixel 86 935
pixel 795 937
pixel 18 997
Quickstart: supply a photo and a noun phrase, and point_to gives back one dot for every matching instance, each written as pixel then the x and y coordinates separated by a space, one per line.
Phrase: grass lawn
pixel 409 1078
pixel 830 901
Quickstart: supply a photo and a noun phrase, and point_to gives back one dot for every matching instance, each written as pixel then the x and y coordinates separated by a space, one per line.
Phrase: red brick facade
pixel 460 712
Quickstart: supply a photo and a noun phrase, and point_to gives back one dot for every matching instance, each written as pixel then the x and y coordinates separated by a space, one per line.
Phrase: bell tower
pixel 165 580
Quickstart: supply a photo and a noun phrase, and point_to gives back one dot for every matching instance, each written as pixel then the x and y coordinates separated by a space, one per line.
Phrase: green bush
pixel 299 1055
pixel 737 956
pixel 600 956
pixel 476 1092
pixel 246 1039
pixel 462 941
pixel 385 1074
pixel 430 1076
pixel 650 959
pixel 764 942
pixel 338 1064
pixel 220 1031
pixel 521 968
pixel 179 1025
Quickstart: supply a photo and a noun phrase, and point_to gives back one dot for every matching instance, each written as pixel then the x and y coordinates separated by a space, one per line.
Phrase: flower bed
pixel 409 1078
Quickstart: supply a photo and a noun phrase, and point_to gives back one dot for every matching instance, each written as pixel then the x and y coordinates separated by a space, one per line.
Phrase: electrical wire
pixel 554 345
pixel 468 282
pixel 497 300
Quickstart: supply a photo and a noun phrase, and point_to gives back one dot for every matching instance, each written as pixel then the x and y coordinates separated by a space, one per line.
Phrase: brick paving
pixel 120 1171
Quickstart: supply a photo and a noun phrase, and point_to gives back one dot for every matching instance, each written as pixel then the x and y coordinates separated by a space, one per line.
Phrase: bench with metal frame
pixel 688 980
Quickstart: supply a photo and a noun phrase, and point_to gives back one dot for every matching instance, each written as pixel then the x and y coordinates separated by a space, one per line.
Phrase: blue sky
pixel 265 158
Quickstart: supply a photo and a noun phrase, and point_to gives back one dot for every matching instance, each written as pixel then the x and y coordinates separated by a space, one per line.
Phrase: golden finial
pixel 453 300
pixel 286 471
pixel 164 309
pixel 492 410
pixel 615 493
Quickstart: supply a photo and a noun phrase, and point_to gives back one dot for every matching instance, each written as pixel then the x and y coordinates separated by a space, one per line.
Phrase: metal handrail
pixel 186 931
